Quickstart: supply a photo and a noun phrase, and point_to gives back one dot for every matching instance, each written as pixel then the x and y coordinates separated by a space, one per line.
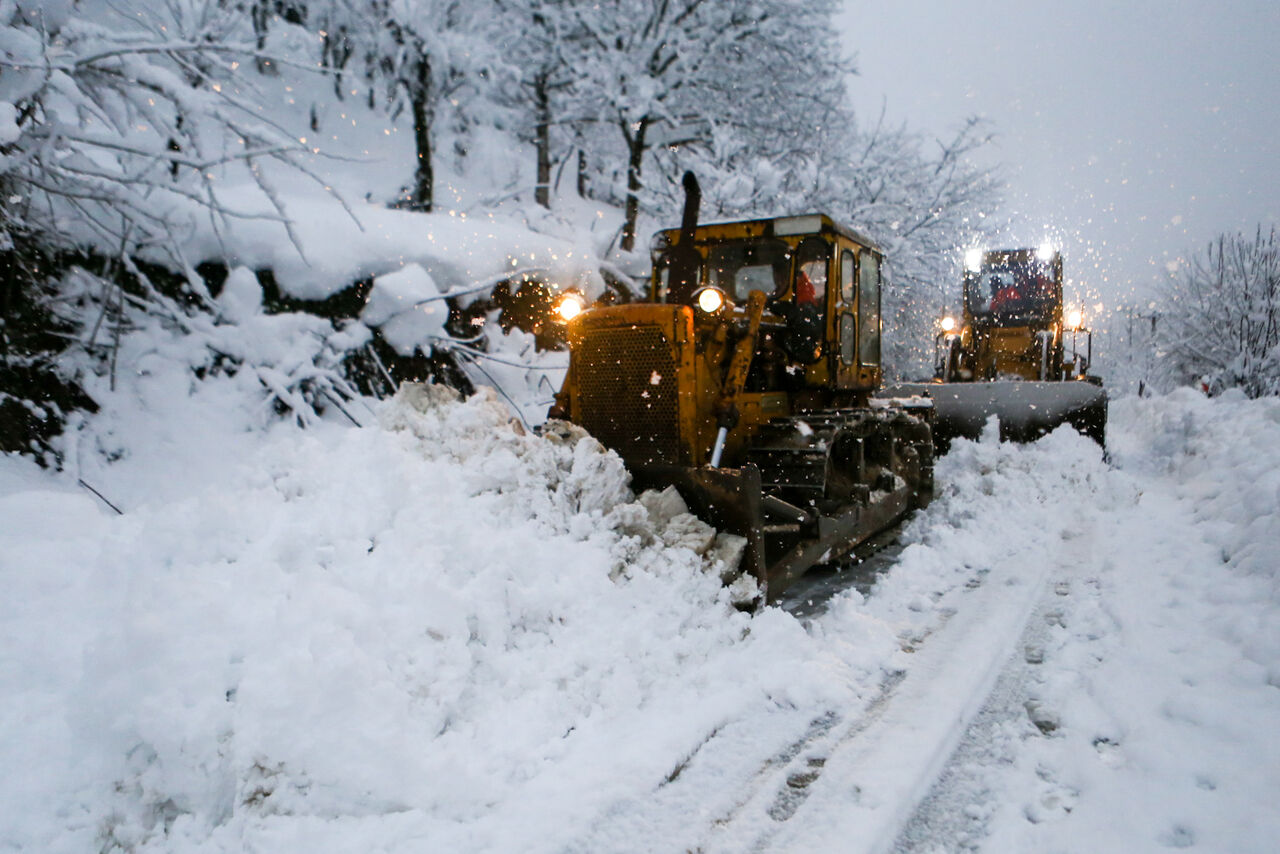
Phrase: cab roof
pixel 779 226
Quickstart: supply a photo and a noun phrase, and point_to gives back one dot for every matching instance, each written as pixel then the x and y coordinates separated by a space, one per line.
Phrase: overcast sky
pixel 1131 131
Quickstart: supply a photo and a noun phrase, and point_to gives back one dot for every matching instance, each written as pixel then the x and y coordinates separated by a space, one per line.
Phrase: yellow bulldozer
pixel 746 381
pixel 1014 353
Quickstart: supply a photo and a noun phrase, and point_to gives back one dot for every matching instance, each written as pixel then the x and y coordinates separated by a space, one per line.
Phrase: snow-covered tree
pixel 1219 316
pixel 119 121
pixel 922 200
pixel 541 47
pixel 779 136
pixel 429 57
pixel 114 119
pixel 655 68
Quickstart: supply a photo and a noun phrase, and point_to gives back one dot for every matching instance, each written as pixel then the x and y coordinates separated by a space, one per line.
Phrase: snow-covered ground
pixel 439 632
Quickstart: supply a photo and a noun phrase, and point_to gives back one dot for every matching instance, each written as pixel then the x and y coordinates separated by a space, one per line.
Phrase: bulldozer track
pixel 783 783
pixel 828 455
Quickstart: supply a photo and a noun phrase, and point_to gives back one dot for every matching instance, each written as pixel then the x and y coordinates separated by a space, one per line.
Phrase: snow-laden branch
pixel 124 130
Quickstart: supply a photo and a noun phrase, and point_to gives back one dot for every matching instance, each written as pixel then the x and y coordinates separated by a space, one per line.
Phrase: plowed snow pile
pixel 434 628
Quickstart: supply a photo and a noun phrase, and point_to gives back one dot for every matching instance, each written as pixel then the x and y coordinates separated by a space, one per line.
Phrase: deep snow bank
pixel 441 616
pixel 333 246
pixel 1220 456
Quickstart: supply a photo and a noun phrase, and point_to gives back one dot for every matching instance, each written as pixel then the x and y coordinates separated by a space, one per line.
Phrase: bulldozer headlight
pixel 568 306
pixel 710 300
pixel 973 260
pixel 1046 252
pixel 948 324
pixel 1075 319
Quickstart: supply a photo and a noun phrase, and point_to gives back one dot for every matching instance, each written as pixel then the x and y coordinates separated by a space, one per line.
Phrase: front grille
pixel 629 392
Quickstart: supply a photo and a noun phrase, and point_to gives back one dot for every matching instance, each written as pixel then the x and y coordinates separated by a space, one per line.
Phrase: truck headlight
pixel 710 299
pixel 973 260
pixel 948 324
pixel 1075 319
pixel 1045 252
pixel 568 306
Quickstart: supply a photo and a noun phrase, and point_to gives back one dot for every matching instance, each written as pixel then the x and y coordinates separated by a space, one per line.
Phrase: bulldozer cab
pixel 1021 287
pixel 821 283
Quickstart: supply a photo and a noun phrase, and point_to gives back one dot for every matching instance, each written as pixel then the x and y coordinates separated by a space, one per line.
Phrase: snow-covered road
pixel 1152 674
pixel 443 634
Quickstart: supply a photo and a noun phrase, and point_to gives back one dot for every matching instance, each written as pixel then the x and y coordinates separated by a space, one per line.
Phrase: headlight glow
pixel 948 323
pixel 973 260
pixel 1045 252
pixel 1075 319
pixel 710 300
pixel 569 306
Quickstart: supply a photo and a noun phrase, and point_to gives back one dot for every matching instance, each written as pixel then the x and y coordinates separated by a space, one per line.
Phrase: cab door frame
pixel 845 317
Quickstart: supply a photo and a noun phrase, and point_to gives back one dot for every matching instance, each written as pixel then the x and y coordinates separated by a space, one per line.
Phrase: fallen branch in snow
pixel 496 386
pixel 101 497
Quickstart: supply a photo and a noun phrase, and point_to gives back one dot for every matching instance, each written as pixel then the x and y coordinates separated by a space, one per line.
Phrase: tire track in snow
pixel 882 765
pixel 783 770
pixel 973 670
pixel 955 813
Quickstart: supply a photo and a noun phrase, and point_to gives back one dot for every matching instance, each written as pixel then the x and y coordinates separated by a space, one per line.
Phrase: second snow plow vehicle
pixel 1014 354
pixel 746 382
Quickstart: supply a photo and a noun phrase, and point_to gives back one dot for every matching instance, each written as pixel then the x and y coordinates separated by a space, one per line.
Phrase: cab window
pixel 847 267
pixel 869 309
pixel 811 272
pixel 1012 290
pixel 847 338
pixel 741 266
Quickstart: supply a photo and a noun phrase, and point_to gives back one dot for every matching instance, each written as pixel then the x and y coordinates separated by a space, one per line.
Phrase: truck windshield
pixel 743 266
pixel 1011 289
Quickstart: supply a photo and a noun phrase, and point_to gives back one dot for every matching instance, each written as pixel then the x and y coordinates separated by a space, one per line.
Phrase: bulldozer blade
pixel 727 499
pixel 1026 409
pixel 732 501
pixel 837 535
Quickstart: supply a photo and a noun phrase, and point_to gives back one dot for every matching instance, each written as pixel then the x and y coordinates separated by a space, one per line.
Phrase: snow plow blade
pixel 1026 409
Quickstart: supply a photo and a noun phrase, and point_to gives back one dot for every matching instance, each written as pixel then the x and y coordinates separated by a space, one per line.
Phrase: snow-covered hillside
pixel 441 632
